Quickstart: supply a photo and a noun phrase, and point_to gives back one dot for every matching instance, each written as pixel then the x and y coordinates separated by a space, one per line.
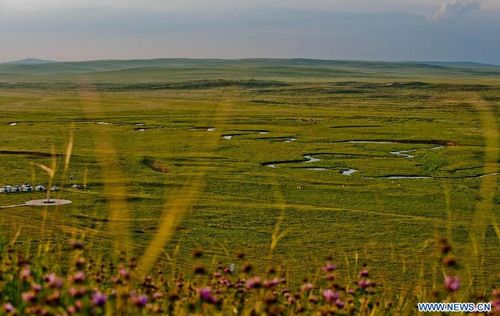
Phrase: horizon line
pixel 42 60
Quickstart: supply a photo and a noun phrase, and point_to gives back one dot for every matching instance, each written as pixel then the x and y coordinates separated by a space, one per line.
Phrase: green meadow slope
pixel 367 162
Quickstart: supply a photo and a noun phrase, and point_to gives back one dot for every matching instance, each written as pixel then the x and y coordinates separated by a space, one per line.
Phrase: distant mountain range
pixel 29 61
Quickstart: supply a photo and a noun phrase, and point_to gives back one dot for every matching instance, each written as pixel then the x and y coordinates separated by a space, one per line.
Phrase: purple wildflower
pixel 25 273
pixel 339 304
pixel 329 267
pixel 77 291
pixel 53 281
pixel 124 273
pixel 363 273
pixel 330 296
pixel 272 283
pixel 495 306
pixel 79 277
pixel 254 282
pixel 139 300
pixel 28 297
pixel 226 282
pixel 364 283
pixel 8 308
pixel 99 299
pixel 451 283
pixel 206 295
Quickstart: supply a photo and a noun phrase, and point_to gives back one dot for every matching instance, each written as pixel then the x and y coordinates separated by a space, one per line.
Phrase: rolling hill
pixel 182 69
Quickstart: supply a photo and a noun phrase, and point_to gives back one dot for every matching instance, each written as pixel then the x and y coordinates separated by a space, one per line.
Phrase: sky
pixel 390 30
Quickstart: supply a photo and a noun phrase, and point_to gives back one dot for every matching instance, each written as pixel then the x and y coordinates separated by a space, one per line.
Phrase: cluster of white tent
pixel 26 187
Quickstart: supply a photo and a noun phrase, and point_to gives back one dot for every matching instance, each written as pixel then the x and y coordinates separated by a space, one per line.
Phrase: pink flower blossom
pixel 139 300
pixel 339 304
pixel 272 283
pixel 99 299
pixel 25 273
pixel 8 308
pixel 451 283
pixel 206 295
pixel 363 273
pixel 28 297
pixel 53 281
pixel 364 283
pixel 330 296
pixel 79 277
pixel 124 273
pixel 329 267
pixel 253 282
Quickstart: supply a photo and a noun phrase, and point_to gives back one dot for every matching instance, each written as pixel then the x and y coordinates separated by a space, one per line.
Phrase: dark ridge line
pixel 29 153
pixel 152 86
pixel 265 102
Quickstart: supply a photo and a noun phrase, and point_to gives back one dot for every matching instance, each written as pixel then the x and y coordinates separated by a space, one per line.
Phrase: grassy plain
pixel 149 142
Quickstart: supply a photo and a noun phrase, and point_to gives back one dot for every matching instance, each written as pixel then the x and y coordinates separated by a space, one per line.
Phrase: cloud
pixel 453 9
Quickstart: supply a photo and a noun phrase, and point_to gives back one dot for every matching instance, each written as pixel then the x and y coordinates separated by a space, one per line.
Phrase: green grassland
pixel 141 136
